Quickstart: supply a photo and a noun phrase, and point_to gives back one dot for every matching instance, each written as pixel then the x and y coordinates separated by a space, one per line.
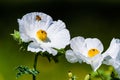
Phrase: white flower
pixel 86 50
pixel 44 33
pixel 112 55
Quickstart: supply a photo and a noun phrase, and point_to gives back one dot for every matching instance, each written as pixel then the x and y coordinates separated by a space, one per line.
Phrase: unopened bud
pixel 70 74
pixel 87 77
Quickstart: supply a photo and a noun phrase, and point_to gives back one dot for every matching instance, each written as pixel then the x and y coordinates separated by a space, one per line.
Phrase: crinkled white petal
pixel 107 60
pixel 77 43
pixel 25 37
pixel 118 69
pixel 30 18
pixel 96 62
pixel 70 56
pixel 23 31
pixel 93 43
pixel 60 39
pixel 51 51
pixel 80 57
pixel 116 64
pixel 114 48
pixel 34 47
pixel 55 28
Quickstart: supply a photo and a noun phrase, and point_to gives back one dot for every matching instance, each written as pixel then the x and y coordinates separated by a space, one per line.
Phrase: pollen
pixel 38 18
pixel 93 52
pixel 41 35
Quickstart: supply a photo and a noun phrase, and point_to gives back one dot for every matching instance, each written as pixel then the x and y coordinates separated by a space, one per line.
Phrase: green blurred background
pixel 88 18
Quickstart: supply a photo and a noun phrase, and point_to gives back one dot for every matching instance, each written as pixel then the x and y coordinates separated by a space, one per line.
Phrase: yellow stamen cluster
pixel 93 52
pixel 41 35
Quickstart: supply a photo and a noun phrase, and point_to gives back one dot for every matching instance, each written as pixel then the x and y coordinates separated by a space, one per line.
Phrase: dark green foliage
pixel 50 57
pixel 100 74
pixel 114 77
pixel 103 75
pixel 25 70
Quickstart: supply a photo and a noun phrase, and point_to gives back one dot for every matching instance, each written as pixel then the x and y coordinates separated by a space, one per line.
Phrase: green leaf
pixel 25 70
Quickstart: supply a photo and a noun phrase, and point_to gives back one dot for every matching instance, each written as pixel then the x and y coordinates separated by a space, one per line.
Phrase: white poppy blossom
pixel 112 55
pixel 44 33
pixel 87 50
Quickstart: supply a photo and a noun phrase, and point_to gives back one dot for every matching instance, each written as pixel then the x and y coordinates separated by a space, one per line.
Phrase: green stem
pixel 100 75
pixel 35 64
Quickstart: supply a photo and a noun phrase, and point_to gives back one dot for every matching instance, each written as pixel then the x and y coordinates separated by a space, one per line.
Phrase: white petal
pixel 60 39
pixel 93 43
pixel 51 51
pixel 107 60
pixel 77 43
pixel 115 62
pixel 96 62
pixel 34 47
pixel 70 56
pixel 81 58
pixel 118 69
pixel 30 18
pixel 114 48
pixel 117 59
pixel 23 31
pixel 25 37
pixel 55 27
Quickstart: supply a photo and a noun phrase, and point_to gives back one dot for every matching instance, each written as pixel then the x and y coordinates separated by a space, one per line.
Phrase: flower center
pixel 93 52
pixel 41 35
pixel 38 18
